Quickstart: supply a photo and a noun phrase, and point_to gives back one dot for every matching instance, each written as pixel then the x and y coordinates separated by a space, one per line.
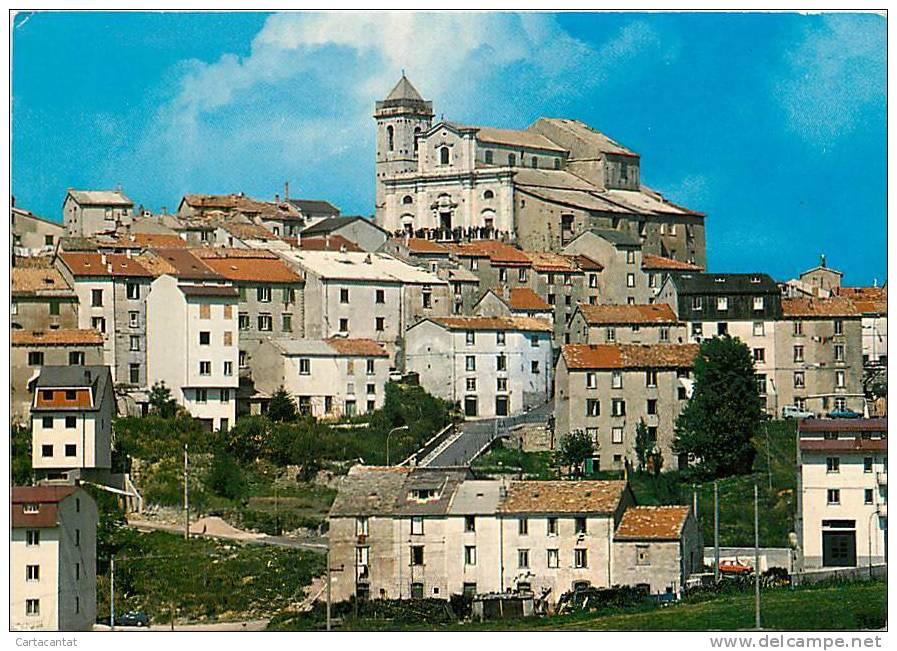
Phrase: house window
pixel 651 378
pixel 758 303
pixel 205 338
pixel 202 396
pixel 98 323
pixel 35 358
pixel 76 358
pixel 133 319
pixel 664 333
pixel 379 324
pixel 501 363
pixel 32 607
pixel 758 328
pixel 798 328
pixel 470 337
pixel 242 359
pixel 833 496
pixel 470 555
pixel 839 379
pixel 32 572
pixel 243 321
pixel 71 450
pixel 32 537
pixel 390 137
pixel 443 155
pixel 867 464
pixel 761 383
pixel 534 340
pixel 591 381
pixel 344 325
pixel 522 527
pixel 696 302
pixel 266 323
pixel 417 526
pixel 205 367
pixel 371 389
pixel 760 355
pixel 553 558
pixel 535 162
pixel 522 558
pixel 369 366
pixel 286 322
pixel 552 526
pixel 228 369
pixel 722 303
pixel 133 290
pixel 361 526
pixel 799 380
pixel 593 407
pixel 263 294
pixel 652 407
pixel 512 160
pixel 839 327
pixel 503 275
pixel 71 422
pixel 96 298
pixel 289 295
pixel 471 384
pixel 630 280
pixel 642 557
pixel 205 311
pixel 798 353
pixel 46 450
pixel 77 537
pixel 470 363
pixel 488 157
pixel 841 405
pixel 579 525
pixel 470 523
pixel 833 464
pixel 47 422
pixel 501 384
pixel 474 264
pixel 499 338
pixel 610 334
pixel 343 295
pixel 417 556
pixel 616 435
pixel 521 274
pixel 134 373
pixel 839 352
pixel 618 407
pixel 867 496
pixel 580 558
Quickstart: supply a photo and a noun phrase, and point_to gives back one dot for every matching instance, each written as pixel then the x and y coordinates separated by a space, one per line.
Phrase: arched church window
pixel 488 194
pixel 390 138
pixel 407 199
pixel 512 160
pixel 444 156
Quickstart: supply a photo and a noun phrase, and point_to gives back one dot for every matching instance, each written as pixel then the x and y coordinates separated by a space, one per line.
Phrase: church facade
pixel 537 187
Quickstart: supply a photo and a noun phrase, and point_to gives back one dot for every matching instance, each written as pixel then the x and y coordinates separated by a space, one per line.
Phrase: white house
pixel 494 366
pixel 52 559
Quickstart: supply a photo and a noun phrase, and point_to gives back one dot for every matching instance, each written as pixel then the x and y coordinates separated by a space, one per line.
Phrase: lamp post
pixel 394 429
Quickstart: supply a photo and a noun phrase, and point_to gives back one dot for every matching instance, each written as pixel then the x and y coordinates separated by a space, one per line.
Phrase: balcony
pixel 882 478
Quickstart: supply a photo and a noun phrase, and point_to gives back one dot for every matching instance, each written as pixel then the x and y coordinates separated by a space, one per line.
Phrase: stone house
pixel 71 421
pixel 32 350
pixel 312 210
pixel 362 232
pixel 32 235
pixel 112 291
pixel 658 546
pixel 328 378
pixel 605 390
pixel 41 299
pixel 52 559
pixel 619 253
pixel 519 301
pixel 491 366
pixel 626 324
pixel 89 212
pixel 872 304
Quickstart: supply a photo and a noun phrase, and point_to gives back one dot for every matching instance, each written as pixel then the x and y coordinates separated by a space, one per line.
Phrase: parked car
pixel 844 413
pixel 793 411
pixel 132 618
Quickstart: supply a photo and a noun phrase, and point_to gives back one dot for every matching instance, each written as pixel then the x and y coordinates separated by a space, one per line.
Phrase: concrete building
pixel 819 365
pixel 491 366
pixel 32 235
pixel 366 296
pixel 71 421
pixel 88 212
pixel 872 304
pixel 52 559
pixel 112 293
pixel 41 299
pixel 658 546
pixel 619 254
pixel 328 378
pixel 362 232
pixel 842 493
pixel 605 390
pixel 192 346
pixel 743 306
pixel 31 350
pixel 538 187
pixel 626 324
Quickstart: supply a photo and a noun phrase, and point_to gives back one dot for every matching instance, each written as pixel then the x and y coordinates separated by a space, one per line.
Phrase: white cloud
pixel 833 75
pixel 299 105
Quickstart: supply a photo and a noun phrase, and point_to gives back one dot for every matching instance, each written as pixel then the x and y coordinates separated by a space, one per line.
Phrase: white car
pixel 791 411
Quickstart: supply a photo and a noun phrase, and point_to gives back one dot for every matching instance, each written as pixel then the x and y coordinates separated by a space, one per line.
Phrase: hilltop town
pixel 479 390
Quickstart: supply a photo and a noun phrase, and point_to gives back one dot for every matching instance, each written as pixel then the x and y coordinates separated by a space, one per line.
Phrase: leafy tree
pixel 161 401
pixel 655 460
pixel 724 412
pixel 576 448
pixel 282 408
pixel 247 439
pixel 642 444
pixel 226 477
pixel 20 455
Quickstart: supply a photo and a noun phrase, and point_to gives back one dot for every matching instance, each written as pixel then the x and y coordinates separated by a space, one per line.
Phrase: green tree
pixel 576 448
pixel 724 412
pixel 226 477
pixel 246 440
pixel 655 460
pixel 282 408
pixel 161 401
pixel 20 455
pixel 642 444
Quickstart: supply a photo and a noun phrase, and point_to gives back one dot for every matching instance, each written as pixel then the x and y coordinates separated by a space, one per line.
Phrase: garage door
pixel 839 549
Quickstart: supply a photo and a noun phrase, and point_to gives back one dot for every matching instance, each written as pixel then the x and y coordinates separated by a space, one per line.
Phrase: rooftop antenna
pixel 403 72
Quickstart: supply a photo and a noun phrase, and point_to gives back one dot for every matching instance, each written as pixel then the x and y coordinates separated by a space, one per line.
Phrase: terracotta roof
pixel 523 323
pixel 818 307
pixel 422 245
pixel 46 497
pixel 497 252
pixel 588 264
pixel 611 356
pixel 652 523
pixel 177 262
pixel 651 261
pixel 249 231
pixel 208 290
pixel 40 494
pixel 104 264
pixel 844 445
pixel 253 270
pixel 331 243
pixel 233 203
pixel 523 298
pixel 151 240
pixel 647 314
pixel 357 347
pixel 867 300
pixel 562 497
pixel 56 338
pixel 33 261
pixel 843 425
pixel 232 252
pixel 552 262
pixel 39 281
pixel 53 399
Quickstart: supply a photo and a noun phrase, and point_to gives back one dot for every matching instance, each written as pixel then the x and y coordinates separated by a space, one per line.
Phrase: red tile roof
pixel 497 252
pixel 552 262
pixel 651 261
pixel 652 523
pixel 56 338
pixel 843 425
pixel 844 445
pixel 522 323
pixel 39 281
pixel 562 497
pixel 525 300
pixel 56 399
pixel 422 245
pixel 46 497
pixel 588 264
pixel 613 356
pixel 181 263
pixel 100 264
pixel 818 307
pixel 867 300
pixel 653 314
pixel 357 347
pixel 249 231
pixel 268 270
pixel 332 243
pixel 148 240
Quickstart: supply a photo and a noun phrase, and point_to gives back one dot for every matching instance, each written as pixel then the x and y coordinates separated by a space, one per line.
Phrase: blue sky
pixel 771 124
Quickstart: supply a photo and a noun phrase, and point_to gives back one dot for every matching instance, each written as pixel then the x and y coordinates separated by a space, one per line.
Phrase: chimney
pixel 109 269
pixel 326 241
pixel 822 261
pixel 875 282
pixel 342 248
pixel 164 210
pixel 367 259
pixel 102 258
pixel 128 253
pixel 286 190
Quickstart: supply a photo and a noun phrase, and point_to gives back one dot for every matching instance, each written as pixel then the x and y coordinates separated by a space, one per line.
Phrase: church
pixel 538 187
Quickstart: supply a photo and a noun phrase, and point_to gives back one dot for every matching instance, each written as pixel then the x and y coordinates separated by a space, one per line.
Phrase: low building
pixel 658 547
pixel 842 492
pixel 605 390
pixel 31 350
pixel 626 324
pixel 52 559
pixel 492 366
pixel 88 212
pixel 517 301
pixel 328 378
pixel 42 300
pixel 362 232
pixel 32 235
pixel 71 421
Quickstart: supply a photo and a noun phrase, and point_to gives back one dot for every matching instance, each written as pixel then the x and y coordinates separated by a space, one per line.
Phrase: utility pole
pixel 768 462
pixel 328 587
pixel 694 500
pixel 756 557
pixel 715 531
pixel 186 497
pixel 112 592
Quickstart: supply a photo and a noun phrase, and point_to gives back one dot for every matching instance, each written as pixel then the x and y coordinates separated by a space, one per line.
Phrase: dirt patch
pixel 215 526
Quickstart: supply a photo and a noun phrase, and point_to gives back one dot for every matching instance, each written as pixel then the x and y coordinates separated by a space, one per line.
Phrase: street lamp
pixel 394 429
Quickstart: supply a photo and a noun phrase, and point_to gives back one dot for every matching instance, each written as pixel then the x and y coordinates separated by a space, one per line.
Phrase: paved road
pixel 249 625
pixel 476 434
pixel 313 543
